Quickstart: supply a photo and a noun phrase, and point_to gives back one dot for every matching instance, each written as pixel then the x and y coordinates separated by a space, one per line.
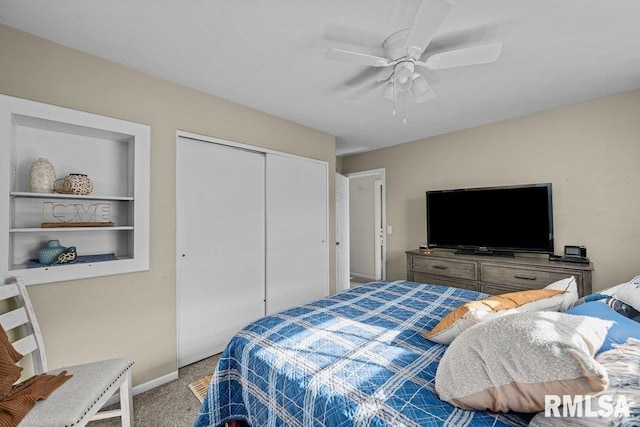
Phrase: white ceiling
pixel 268 55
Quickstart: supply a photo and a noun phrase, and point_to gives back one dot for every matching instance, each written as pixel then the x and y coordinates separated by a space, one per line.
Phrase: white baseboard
pixel 141 388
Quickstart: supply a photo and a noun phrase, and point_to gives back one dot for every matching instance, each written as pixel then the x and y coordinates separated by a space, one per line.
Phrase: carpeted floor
pixel 169 405
pixel 357 281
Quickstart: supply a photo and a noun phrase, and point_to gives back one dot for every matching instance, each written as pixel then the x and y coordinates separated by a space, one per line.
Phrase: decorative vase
pixel 48 254
pixel 42 177
pixel 77 183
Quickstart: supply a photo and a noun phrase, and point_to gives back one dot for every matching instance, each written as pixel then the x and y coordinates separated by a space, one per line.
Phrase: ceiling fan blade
pixel 468 36
pixel 420 89
pixel 359 93
pixel 483 54
pixel 356 58
pixel 386 76
pixel 353 36
pixel 368 75
pixel 428 20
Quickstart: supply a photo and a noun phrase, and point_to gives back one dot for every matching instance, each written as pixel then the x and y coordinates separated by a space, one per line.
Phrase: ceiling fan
pixel 404 49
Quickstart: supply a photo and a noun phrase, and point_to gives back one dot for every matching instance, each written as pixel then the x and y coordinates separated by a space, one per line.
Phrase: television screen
pixel 510 219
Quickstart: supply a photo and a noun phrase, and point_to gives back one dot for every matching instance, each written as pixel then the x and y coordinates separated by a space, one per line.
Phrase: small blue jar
pixel 48 254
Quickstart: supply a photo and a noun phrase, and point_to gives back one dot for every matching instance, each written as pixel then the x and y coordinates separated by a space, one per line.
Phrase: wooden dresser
pixel 493 275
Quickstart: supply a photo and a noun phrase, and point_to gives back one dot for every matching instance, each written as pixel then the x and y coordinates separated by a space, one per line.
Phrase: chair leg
pixel 126 401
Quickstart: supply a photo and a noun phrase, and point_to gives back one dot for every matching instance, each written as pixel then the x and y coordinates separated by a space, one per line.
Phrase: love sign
pixel 76 212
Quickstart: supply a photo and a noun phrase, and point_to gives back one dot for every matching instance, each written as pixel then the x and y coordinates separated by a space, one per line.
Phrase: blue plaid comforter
pixel 355 358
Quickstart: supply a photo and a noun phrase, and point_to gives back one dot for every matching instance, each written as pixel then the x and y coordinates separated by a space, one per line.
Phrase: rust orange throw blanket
pixel 17 400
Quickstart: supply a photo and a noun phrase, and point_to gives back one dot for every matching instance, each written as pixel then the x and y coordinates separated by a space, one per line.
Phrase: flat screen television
pixel 491 220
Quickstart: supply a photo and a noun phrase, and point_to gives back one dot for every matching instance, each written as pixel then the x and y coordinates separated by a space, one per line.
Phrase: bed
pixel 355 358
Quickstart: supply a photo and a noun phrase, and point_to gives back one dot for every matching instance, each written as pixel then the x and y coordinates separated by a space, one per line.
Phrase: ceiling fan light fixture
pixel 421 90
pixel 419 83
pixel 405 86
pixel 389 92
pixel 404 69
pixel 402 76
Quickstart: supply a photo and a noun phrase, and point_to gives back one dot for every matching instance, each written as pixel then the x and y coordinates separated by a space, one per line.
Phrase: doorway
pixel 367 226
pixel 343 271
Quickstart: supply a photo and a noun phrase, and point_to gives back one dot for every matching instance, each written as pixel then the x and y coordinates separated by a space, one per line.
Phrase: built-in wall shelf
pixel 84 265
pixel 69 229
pixel 67 196
pixel 113 153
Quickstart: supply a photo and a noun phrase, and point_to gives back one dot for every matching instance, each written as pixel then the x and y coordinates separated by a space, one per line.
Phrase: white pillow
pixel 612 290
pixel 629 293
pixel 570 296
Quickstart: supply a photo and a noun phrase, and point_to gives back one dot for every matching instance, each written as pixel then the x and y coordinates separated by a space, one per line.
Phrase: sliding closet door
pixel 220 245
pixel 296 231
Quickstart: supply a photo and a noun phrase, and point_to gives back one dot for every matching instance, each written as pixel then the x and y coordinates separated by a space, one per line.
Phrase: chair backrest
pixel 23 314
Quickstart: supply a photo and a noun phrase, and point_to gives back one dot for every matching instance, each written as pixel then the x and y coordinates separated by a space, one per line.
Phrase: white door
pixel 378 230
pixel 220 239
pixel 296 214
pixel 342 233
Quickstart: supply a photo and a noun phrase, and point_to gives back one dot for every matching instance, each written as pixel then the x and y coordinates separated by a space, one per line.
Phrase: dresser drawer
pixel 439 280
pixel 520 277
pixel 493 275
pixel 447 268
pixel 492 289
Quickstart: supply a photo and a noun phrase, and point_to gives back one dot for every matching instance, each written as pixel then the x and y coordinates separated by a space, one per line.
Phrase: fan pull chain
pixel 394 97
pixel 404 108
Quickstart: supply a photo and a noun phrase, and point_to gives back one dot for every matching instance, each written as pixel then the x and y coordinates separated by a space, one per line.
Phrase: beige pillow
pixel 512 362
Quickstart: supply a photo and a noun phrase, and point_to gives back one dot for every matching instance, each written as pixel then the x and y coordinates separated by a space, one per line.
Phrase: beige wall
pixel 589 151
pixel 135 314
pixel 362 227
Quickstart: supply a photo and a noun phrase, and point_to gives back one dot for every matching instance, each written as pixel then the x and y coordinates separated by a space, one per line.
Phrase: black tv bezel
pixel 498 250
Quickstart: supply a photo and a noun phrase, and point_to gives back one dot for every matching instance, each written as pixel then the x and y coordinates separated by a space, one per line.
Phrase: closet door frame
pixel 190 135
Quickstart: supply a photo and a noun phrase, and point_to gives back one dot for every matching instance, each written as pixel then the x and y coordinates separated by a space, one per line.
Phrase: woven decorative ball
pixel 77 183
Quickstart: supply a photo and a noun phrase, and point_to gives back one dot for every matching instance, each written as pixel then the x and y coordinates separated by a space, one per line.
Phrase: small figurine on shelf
pixel 68 256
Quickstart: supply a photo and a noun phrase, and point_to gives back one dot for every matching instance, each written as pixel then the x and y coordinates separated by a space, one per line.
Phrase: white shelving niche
pixel 113 153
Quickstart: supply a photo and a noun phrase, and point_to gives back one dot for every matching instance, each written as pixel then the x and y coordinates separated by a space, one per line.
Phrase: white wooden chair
pixel 78 400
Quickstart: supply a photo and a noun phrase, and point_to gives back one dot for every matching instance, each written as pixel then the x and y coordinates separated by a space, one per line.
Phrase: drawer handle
pixel 525 277
pixel 440 267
